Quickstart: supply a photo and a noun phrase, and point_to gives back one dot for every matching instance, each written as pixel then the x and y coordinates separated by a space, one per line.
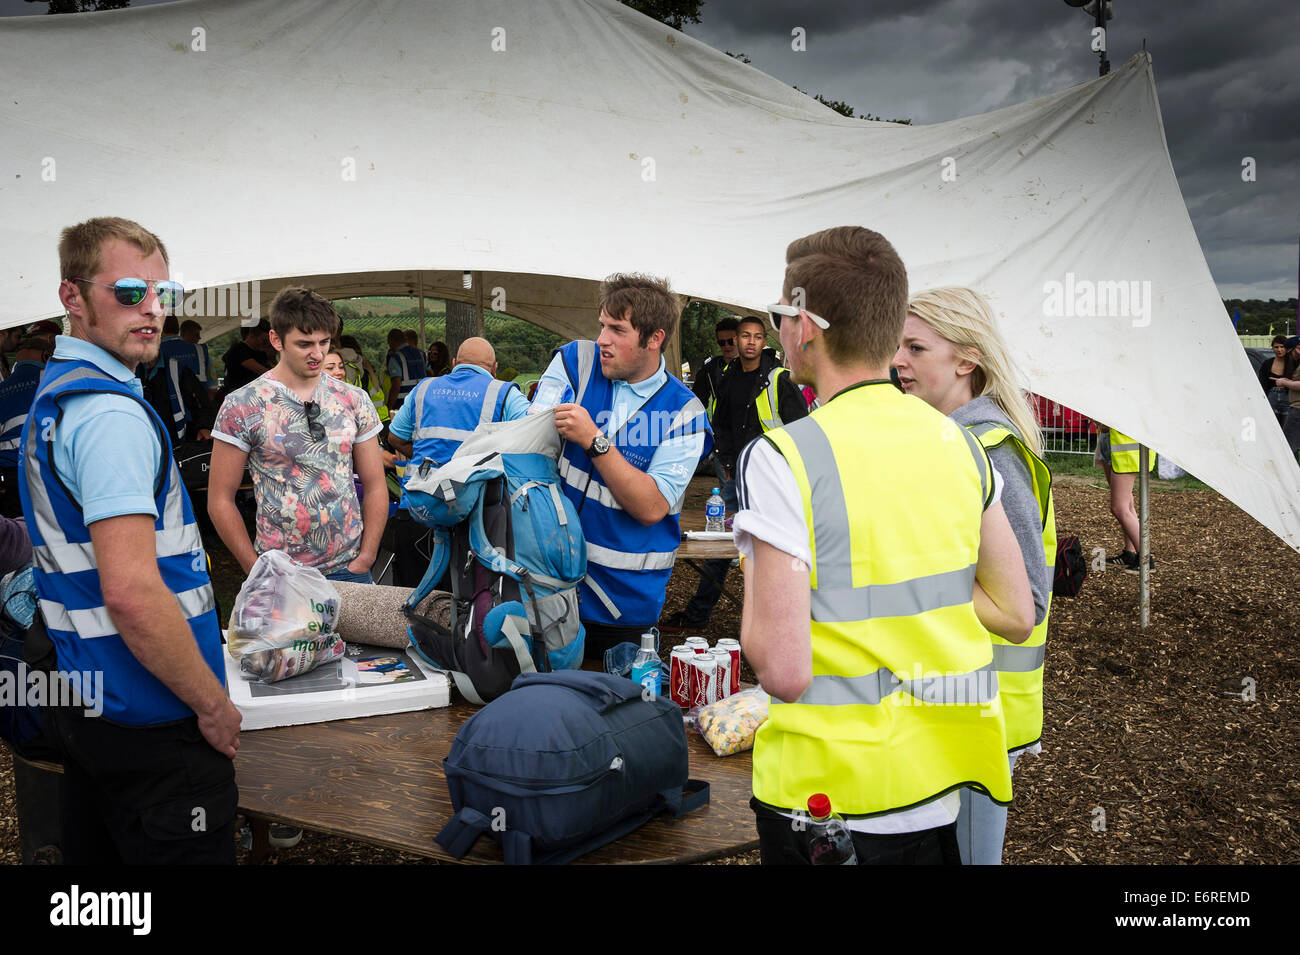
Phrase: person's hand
pixel 574 424
pixel 361 564
pixel 203 435
pixel 220 727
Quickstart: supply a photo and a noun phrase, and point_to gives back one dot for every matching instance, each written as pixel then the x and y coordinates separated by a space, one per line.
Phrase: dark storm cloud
pixel 1228 78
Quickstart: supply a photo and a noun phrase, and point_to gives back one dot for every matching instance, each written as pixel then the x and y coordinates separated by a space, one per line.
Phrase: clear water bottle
pixel 715 513
pixel 645 666
pixel 829 839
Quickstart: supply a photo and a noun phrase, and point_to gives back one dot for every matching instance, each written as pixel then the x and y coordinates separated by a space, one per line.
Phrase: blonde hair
pixel 963 317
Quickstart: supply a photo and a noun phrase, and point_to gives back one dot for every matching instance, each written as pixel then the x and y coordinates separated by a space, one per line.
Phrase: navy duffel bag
pixel 564 763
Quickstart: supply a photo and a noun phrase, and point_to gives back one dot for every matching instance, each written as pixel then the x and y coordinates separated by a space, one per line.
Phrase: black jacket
pixel 730 437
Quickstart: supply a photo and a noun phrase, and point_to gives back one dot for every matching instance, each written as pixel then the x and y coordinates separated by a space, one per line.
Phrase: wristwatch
pixel 599 445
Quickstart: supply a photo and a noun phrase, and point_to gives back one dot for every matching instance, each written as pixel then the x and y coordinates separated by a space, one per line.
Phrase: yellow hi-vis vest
pixel 1020 666
pixel 378 391
pixel 903 705
pixel 1124 458
pixel 768 404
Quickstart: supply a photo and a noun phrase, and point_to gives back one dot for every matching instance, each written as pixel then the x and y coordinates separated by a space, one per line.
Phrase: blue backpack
pixel 514 546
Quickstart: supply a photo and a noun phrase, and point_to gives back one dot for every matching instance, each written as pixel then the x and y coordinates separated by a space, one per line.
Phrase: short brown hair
pixel 643 300
pixel 301 308
pixel 853 278
pixel 80 245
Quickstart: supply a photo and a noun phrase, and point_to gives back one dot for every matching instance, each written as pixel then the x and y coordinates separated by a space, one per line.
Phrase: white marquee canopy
pixel 387 147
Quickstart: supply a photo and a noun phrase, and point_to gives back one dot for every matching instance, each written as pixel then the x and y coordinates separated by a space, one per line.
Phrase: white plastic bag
pixel 284 620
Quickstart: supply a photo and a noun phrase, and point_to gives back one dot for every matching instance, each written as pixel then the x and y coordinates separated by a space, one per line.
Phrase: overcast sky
pixel 1228 77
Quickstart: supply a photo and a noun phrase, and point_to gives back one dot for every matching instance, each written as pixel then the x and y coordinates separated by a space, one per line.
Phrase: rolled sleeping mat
pixel 372 613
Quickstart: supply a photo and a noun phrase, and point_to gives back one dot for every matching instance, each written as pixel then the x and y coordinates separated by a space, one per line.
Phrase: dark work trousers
pixel 780 843
pixel 144 795
pixel 600 637
pixel 714 575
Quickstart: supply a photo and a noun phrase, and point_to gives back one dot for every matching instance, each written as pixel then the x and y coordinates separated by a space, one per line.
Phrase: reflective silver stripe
pixel 905 598
pixel 11 444
pixel 586 360
pixel 1013 659
pixel 773 402
pixel 87 624
pixel 623 560
pixel 174 373
pixel 15 422
pixel 961 689
pixel 1124 447
pixel 577 479
pixel 197 601
pixel 202 354
pixel 418 394
pixel 832 552
pixel 690 411
pixel 95 622
pixel 454 434
pixel 981 460
pixel 490 400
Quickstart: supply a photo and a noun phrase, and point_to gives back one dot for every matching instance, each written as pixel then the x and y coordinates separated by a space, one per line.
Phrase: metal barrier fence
pixel 1065 431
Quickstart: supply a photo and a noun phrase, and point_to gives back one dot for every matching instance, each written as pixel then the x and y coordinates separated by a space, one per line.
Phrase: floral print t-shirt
pixel 306 502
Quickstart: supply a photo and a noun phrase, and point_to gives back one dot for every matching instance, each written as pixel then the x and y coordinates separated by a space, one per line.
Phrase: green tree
pixel 674 13
pixel 82 6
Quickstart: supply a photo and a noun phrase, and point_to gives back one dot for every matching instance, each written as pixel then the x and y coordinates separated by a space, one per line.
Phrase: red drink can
pixel 723 672
pixel 733 648
pixel 697 644
pixel 679 676
pixel 704 680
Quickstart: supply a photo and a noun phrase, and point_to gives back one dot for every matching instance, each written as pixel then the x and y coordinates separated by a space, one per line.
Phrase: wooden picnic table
pixel 379 780
pixel 692 552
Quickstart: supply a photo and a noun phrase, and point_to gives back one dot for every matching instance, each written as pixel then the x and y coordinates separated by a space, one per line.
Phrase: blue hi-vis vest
pixel 16 395
pixel 67 578
pixel 174 354
pixel 628 563
pixel 448 409
pixel 412 362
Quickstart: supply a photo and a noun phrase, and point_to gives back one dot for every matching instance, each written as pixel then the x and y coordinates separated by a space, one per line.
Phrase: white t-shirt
pixel 771 509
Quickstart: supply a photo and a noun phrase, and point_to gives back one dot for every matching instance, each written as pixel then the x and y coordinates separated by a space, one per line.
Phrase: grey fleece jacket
pixel 1017 498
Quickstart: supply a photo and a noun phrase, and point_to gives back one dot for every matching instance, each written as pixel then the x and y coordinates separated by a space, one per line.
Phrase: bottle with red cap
pixel 829 840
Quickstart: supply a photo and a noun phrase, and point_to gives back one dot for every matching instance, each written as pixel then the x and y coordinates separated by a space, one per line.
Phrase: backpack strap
pixel 459 835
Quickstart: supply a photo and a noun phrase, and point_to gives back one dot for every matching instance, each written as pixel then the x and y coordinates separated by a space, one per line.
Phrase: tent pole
pixel 1144 536
pixel 424 347
pixel 478 304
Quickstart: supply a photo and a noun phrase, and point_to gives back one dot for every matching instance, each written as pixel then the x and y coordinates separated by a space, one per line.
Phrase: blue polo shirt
pixel 108 450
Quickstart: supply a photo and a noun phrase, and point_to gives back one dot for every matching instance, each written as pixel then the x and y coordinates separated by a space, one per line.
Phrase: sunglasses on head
pixel 775 312
pixel 131 292
pixel 314 427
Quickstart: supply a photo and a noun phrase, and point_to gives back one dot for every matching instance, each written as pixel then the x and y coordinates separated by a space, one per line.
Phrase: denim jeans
pixel 714 574
pixel 346 576
pixel 982 826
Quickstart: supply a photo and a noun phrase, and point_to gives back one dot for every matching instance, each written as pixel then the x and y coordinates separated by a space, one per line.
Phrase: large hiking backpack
pixel 603 761
pixel 515 550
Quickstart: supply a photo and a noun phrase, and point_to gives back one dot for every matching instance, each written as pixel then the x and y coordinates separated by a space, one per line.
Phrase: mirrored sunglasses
pixel 131 292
